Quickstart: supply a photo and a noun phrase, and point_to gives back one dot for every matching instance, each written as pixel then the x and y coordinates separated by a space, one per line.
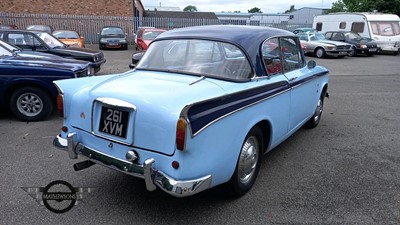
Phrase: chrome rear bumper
pixel 151 176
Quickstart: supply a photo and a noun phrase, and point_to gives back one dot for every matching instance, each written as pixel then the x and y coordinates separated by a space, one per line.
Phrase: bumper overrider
pixel 146 171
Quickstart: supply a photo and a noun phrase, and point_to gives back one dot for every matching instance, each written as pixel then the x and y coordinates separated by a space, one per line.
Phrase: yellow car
pixel 70 38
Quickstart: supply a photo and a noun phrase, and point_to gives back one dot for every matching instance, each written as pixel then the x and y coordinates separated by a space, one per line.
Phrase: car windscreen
pixel 151 35
pixel 199 57
pixel 353 36
pixel 50 40
pixel 5 52
pixel 9 46
pixel 65 34
pixel 317 37
pixel 111 30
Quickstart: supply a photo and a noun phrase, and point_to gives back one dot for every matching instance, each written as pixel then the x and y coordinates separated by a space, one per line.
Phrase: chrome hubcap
pixel 248 160
pixel 319 53
pixel 318 110
pixel 29 104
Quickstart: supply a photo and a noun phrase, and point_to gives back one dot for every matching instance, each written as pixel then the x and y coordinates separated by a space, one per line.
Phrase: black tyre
pixel 248 164
pixel 395 53
pixel 30 104
pixel 353 52
pixel 314 120
pixel 320 52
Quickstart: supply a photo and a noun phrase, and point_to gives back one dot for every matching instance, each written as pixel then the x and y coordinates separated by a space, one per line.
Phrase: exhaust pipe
pixel 83 165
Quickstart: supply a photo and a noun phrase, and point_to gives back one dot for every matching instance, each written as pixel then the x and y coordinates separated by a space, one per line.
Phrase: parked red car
pixel 145 35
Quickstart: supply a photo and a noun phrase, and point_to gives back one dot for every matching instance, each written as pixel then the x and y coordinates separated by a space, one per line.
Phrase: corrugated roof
pixel 170 14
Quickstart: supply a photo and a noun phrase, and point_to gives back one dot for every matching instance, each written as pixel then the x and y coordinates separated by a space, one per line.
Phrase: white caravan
pixel 383 28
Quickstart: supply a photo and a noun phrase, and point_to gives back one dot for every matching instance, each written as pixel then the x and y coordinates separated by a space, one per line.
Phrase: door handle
pixel 293 78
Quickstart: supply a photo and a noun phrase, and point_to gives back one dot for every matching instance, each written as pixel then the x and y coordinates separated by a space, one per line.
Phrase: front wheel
pixel 353 52
pixel 30 104
pixel 320 53
pixel 248 164
pixel 314 120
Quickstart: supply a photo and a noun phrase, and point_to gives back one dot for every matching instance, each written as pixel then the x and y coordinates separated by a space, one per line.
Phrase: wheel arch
pixel 266 129
pixel 22 84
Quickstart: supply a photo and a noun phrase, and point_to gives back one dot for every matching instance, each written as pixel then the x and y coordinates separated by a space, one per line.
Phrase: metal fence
pixel 90 26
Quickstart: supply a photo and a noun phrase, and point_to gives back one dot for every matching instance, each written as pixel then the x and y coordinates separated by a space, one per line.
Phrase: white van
pixel 383 28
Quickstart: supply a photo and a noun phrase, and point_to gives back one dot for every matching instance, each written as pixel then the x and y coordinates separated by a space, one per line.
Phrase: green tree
pixel 190 8
pixel 384 6
pixel 291 9
pixel 338 6
pixel 255 10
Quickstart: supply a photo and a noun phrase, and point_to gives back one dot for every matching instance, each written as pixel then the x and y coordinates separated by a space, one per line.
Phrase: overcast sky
pixel 266 6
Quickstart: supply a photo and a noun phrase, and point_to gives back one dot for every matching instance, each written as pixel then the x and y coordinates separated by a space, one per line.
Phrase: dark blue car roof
pixel 249 38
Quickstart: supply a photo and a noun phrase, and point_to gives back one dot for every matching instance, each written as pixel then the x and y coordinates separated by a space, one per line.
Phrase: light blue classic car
pixel 200 109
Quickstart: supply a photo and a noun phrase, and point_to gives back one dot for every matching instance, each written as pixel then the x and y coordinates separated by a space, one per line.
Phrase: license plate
pixel 113 121
pixel 372 49
pixel 342 52
pixel 112 44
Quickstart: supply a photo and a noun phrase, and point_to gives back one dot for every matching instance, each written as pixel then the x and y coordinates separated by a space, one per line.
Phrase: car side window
pixel 271 56
pixel 328 35
pixel 338 37
pixel 290 54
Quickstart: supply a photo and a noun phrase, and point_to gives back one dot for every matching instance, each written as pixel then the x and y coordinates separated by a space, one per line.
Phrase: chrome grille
pixel 343 47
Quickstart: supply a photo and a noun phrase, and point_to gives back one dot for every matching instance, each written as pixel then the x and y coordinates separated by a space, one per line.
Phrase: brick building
pixel 72 7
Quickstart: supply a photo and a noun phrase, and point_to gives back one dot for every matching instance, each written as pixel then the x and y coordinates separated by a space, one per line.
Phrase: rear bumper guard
pixel 146 171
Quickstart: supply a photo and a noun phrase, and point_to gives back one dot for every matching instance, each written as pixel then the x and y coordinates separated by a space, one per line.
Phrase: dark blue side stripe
pixel 203 113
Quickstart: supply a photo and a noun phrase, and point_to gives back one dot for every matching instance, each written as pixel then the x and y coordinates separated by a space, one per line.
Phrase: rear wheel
pixel 248 164
pixel 320 52
pixel 30 104
pixel 314 120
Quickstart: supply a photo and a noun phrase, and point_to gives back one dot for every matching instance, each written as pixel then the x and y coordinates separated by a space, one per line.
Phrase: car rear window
pixel 202 57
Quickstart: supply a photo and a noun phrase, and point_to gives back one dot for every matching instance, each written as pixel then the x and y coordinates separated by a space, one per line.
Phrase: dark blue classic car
pixel 26 84
pixel 41 41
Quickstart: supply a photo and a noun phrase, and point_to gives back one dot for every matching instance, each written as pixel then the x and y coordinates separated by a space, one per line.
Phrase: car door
pixel 303 86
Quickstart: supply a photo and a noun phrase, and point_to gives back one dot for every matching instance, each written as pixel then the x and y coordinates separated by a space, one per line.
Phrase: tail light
pixel 181 134
pixel 60 105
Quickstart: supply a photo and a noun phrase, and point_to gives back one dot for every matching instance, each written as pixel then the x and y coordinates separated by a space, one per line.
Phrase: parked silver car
pixel 317 44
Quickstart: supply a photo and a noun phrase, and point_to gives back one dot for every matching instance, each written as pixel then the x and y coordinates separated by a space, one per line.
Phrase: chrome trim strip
pixel 230 113
pixel 116 102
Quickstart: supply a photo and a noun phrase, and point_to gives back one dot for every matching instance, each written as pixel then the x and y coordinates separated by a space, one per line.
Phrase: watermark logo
pixel 59 196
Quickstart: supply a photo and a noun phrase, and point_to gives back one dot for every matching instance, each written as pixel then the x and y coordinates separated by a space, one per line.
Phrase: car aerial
pixel 199 110
pixel 360 45
pixel 317 44
pixel 112 37
pixel 145 35
pixel 26 84
pixel 41 41
pixel 304 30
pixel 70 38
pixel 46 28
